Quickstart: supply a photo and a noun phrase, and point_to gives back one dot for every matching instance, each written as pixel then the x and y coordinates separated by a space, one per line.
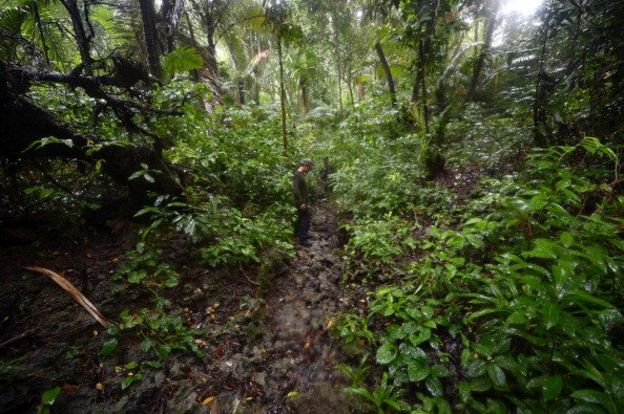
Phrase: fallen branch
pixel 73 292
pixel 17 338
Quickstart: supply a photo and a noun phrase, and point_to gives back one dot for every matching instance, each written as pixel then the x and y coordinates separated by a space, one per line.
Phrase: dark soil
pixel 266 350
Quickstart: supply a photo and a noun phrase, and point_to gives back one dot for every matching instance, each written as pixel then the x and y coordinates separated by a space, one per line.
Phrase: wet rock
pixel 185 400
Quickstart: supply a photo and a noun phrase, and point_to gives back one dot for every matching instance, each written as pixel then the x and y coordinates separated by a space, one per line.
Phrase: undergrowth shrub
pixel 515 310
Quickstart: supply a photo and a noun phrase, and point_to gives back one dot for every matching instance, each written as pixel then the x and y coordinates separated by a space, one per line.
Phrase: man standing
pixel 301 202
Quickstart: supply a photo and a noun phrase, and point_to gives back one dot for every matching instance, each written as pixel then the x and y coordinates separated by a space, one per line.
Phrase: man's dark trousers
pixel 303 224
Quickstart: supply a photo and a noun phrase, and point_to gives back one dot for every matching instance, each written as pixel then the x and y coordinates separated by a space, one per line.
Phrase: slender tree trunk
pixel 282 92
pixel 476 36
pixel 303 85
pixel 150 36
pixel 539 112
pixel 35 8
pixel 350 84
pixel 82 40
pixel 487 42
pixel 386 68
pixel 339 86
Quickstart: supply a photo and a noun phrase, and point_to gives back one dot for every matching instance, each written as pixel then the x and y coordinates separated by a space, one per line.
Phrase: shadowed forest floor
pixel 265 351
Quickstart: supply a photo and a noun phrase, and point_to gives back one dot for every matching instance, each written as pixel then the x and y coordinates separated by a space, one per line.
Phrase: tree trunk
pixel 171 10
pixel 487 41
pixel 386 68
pixel 35 8
pixel 539 110
pixel 150 37
pixel 350 84
pixel 339 86
pixel 282 92
pixel 240 83
pixel 82 40
pixel 303 85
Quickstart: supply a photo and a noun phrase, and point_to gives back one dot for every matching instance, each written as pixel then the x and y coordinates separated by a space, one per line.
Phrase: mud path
pixel 302 311
pixel 298 373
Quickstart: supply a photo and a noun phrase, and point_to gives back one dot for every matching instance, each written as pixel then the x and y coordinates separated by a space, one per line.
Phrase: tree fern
pixel 183 59
pixel 11 20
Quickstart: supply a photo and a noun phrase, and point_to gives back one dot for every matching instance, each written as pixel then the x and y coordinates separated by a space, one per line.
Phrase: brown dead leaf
pixel 215 409
pixel 73 292
pixel 208 400
pixel 70 389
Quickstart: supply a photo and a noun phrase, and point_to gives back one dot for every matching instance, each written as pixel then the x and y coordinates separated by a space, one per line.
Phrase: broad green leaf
pixel 109 347
pixel 417 372
pixel 497 375
pixel 551 314
pixel 475 369
pixel 517 318
pixel 386 353
pixel 590 396
pixel 440 371
pixel 552 386
pixel 434 385
pixel 49 396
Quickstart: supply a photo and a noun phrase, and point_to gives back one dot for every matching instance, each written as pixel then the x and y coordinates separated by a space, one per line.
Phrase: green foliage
pixel 480 137
pixel 519 306
pixel 145 268
pixel 183 59
pixel 379 240
pixel 161 333
pixel 47 400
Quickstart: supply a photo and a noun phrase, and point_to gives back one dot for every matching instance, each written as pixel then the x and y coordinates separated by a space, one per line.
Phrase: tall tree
pixel 150 36
pixel 387 72
pixel 492 10
pixel 83 39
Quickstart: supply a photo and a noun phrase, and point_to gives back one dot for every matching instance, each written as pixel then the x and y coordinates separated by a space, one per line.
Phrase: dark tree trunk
pixel 150 37
pixel 303 85
pixel 386 68
pixel 171 10
pixel 485 49
pixel 82 40
pixel 240 83
pixel 35 8
pixel 541 97
pixel 419 91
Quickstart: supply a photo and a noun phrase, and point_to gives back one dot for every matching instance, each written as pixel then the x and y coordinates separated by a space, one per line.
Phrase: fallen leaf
pixel 99 386
pixel 215 409
pixel 292 394
pixel 69 389
pixel 208 401
pixel 330 323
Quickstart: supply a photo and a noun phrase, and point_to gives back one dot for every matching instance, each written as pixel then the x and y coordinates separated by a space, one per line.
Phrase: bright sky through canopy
pixel 524 7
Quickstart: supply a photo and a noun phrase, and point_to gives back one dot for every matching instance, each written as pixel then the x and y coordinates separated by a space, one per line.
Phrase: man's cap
pixel 307 162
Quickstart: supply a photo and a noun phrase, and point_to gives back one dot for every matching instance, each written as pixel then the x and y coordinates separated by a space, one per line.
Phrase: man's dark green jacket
pixel 300 189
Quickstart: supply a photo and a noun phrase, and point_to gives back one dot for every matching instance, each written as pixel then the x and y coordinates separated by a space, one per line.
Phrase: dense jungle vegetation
pixel 467 200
